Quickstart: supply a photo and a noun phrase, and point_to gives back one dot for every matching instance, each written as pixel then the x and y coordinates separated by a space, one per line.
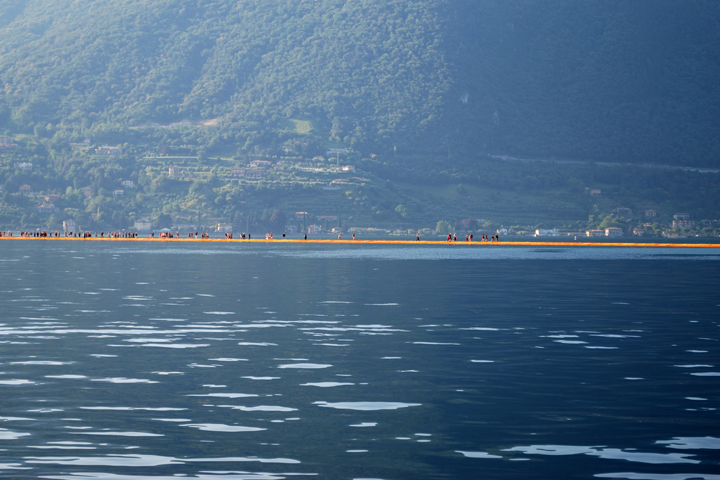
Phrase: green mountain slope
pixel 604 80
pixel 362 68
pixel 631 81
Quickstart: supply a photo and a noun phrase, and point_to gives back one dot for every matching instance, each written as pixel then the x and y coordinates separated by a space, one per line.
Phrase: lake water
pixel 130 361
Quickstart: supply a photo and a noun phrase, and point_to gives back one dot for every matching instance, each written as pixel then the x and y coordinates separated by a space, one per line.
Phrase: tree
pixel 163 220
pixel 469 224
pixel 277 221
pixel 609 221
pixel 443 227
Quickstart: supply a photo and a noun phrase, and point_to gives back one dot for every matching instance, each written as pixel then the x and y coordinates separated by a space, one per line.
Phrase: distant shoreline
pixel 378 242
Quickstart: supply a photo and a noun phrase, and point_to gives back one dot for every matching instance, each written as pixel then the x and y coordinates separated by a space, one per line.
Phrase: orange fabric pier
pixel 376 242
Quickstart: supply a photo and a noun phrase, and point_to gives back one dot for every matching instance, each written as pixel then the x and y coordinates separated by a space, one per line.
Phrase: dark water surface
pixel 128 361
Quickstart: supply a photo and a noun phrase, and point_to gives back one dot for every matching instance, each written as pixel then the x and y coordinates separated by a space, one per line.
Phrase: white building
pixel 260 164
pixel 683 223
pixel 595 233
pixel 127 183
pixel 541 232
pixel 224 227
pixel 314 229
pixel 144 224
pixel 108 150
pixel 250 172
pixel 69 226
pixel 613 232
pixel 46 208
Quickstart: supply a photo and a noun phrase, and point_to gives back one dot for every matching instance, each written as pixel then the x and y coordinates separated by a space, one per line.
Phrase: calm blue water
pixel 131 361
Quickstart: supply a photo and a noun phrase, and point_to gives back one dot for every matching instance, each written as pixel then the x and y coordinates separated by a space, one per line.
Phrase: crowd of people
pixel 56 234
pixel 195 235
pixel 452 237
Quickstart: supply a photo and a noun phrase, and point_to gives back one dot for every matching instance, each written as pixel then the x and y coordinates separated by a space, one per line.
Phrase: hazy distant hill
pixel 599 79
pixel 607 79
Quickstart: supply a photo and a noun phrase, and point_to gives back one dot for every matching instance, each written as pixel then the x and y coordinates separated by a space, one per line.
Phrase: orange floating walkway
pixel 377 242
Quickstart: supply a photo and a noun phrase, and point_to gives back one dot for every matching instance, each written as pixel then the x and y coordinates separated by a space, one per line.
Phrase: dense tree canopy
pixel 598 79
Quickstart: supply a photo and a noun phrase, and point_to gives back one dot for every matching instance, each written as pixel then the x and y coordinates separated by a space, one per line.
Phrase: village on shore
pixel 338 192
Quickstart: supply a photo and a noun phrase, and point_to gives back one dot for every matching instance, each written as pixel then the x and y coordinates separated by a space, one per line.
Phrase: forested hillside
pixel 360 71
pixel 383 114
pixel 602 80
